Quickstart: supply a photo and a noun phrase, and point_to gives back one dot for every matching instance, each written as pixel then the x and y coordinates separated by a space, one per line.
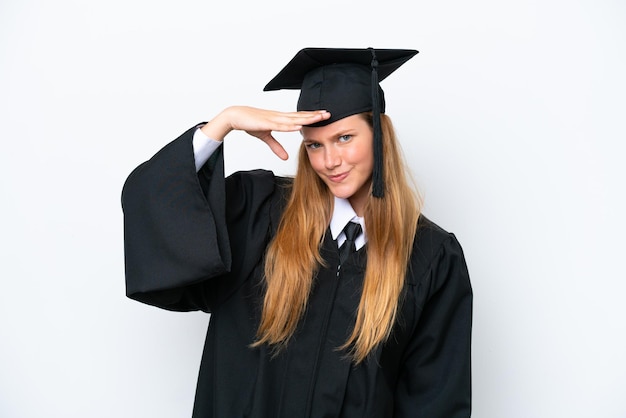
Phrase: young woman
pixel 330 294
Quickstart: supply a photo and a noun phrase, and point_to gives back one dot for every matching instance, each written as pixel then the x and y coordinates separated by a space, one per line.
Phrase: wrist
pixel 218 127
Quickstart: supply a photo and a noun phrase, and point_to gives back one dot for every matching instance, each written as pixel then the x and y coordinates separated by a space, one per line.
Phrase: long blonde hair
pixel 293 256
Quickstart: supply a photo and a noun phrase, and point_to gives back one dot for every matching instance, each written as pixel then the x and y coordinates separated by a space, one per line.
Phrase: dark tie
pixel 352 230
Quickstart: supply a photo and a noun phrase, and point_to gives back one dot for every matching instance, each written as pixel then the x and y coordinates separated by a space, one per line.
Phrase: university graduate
pixel 330 294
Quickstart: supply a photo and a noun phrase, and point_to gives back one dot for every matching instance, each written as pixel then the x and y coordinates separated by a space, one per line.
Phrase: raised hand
pixel 260 123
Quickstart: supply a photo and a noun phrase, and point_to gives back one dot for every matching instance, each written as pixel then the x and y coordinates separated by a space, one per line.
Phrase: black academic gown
pixel 194 241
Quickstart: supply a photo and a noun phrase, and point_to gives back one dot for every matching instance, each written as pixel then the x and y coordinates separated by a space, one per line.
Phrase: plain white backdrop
pixel 512 119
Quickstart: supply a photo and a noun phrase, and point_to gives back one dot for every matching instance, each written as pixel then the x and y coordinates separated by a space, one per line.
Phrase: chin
pixel 341 192
pixel 342 195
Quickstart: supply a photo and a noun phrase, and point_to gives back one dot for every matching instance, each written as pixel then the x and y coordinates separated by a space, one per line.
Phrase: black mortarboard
pixel 344 82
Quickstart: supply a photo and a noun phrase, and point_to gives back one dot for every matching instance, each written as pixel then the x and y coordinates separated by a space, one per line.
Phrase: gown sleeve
pixel 436 377
pixel 188 233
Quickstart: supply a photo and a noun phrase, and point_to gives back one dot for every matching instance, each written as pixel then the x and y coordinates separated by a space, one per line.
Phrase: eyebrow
pixel 336 134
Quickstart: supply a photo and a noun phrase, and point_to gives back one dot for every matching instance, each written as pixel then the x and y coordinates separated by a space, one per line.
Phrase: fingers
pixel 313 117
pixel 275 146
pixel 289 122
pixel 294 121
pixel 261 123
pixel 247 118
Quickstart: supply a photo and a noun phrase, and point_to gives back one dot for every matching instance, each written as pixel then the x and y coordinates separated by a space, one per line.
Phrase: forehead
pixel 349 123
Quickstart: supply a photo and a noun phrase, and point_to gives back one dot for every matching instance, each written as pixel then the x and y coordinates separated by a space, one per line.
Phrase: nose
pixel 332 157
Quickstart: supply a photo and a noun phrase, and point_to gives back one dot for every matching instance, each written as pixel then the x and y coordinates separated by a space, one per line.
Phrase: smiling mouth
pixel 337 178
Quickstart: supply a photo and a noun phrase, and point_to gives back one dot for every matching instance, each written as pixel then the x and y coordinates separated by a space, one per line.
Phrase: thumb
pixel 275 146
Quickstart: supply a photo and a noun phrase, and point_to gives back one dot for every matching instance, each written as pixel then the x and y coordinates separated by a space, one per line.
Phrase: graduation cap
pixel 344 82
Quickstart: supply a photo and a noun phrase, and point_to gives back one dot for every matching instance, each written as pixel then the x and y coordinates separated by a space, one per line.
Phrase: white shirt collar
pixel 342 214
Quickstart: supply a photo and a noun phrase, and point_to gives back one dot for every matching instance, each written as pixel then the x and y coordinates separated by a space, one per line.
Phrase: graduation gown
pixel 196 241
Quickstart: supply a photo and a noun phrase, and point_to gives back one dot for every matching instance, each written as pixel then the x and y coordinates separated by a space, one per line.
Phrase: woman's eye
pixel 313 145
pixel 345 138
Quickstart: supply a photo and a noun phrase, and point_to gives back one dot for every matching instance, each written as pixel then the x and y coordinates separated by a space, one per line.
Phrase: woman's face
pixel 342 154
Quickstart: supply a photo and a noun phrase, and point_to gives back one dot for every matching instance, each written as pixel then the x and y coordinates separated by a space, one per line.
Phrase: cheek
pixel 364 156
pixel 316 160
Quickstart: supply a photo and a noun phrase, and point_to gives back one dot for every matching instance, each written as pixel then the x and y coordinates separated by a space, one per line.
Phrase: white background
pixel 512 117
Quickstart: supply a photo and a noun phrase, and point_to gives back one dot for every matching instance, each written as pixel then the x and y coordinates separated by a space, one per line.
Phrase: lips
pixel 338 178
